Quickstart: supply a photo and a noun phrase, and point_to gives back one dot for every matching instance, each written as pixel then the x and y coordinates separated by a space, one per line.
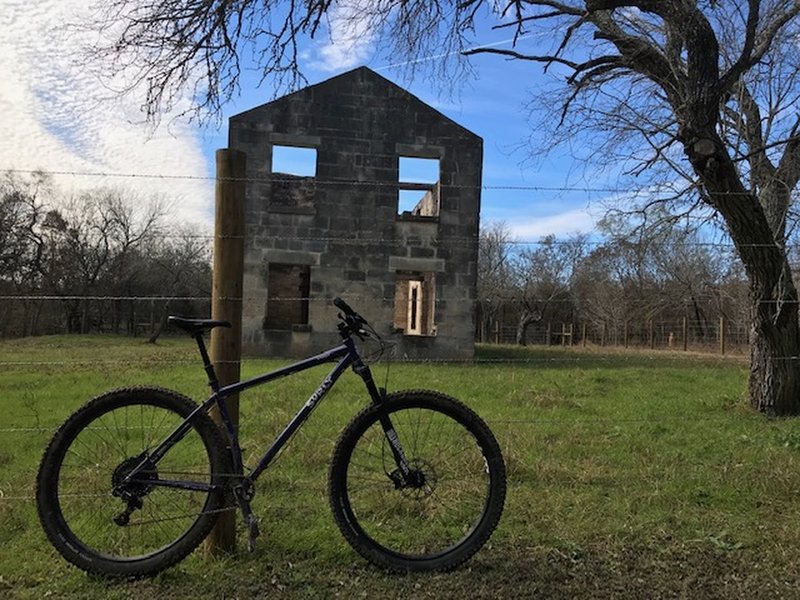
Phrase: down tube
pixel 301 416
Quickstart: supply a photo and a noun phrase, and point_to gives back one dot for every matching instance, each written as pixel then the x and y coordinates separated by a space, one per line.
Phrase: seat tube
pixel 213 382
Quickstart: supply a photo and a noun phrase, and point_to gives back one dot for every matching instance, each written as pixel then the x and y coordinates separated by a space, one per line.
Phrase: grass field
pixel 630 475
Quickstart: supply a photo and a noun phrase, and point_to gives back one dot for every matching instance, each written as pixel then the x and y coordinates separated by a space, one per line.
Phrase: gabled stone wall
pixel 342 226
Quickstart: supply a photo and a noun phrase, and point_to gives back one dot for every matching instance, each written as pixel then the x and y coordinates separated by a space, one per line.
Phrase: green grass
pixel 630 475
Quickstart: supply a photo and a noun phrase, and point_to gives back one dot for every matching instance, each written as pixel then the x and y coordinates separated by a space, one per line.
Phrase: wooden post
pixel 225 348
pixel 583 334
pixel 625 334
pixel 603 335
pixel 497 332
pixel 651 335
pixel 571 333
pixel 722 335
pixel 548 334
pixel 685 329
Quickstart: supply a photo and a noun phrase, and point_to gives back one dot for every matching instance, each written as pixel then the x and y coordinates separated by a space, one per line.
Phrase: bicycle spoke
pixel 99 451
pixel 438 511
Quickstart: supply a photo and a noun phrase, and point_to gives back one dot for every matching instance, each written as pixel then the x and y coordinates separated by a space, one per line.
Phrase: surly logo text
pixel 317 396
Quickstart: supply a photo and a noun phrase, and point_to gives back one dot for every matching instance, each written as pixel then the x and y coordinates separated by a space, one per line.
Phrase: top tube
pixel 343 350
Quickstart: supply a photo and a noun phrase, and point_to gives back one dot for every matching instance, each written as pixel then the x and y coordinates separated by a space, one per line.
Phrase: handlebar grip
pixel 344 307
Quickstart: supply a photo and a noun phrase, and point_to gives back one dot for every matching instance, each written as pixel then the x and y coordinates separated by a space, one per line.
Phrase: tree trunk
pixel 162 323
pixel 757 227
pixel 525 319
pixel 698 315
pixel 774 382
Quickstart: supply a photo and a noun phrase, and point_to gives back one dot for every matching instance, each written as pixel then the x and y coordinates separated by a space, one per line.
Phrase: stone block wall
pixel 341 228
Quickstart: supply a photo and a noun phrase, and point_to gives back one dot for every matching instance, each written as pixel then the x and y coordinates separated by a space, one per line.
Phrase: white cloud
pixel 57 117
pixel 351 40
pixel 531 228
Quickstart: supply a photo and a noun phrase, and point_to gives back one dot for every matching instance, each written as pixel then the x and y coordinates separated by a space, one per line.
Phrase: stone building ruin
pixel 356 188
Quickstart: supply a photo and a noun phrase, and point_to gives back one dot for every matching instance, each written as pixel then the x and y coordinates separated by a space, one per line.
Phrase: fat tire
pixel 348 521
pixel 49 506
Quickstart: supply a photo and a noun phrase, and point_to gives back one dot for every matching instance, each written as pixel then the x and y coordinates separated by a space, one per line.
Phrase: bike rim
pixel 446 504
pixel 85 482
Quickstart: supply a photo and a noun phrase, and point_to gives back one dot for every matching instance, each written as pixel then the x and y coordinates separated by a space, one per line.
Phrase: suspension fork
pixel 379 399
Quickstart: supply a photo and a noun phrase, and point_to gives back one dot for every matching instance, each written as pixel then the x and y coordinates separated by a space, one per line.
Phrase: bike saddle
pixel 196 326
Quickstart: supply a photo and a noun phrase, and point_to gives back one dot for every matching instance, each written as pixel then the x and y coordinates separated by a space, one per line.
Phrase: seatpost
pixel 209 368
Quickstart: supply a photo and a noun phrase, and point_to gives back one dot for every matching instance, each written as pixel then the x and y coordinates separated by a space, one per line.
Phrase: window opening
pixel 418 187
pixel 288 289
pixel 419 170
pixel 293 160
pixel 414 301
pixel 414 304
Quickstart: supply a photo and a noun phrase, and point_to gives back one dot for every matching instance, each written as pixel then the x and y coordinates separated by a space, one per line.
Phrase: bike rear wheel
pixel 441 514
pixel 148 526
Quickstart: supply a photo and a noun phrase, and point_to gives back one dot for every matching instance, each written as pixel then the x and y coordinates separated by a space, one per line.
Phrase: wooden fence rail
pixel 721 335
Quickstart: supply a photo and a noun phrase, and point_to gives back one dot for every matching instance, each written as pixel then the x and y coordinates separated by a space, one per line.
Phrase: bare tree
pixel 542 274
pixel 653 265
pixel 179 266
pixel 717 82
pixel 173 47
pixel 617 282
pixel 21 212
pixel 94 261
pixel 707 88
pixel 495 277
pixel 91 245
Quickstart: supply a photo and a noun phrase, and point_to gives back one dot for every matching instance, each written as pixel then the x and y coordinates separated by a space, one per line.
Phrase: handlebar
pixel 344 307
pixel 352 322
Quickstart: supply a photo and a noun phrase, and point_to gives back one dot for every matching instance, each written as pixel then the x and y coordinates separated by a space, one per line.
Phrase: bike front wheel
pixel 106 514
pixel 443 511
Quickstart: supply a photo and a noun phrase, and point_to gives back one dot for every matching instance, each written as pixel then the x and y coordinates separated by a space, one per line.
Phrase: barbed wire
pixel 678 357
pixel 497 424
pixel 441 239
pixel 509 301
pixel 696 418
pixel 283 178
pixel 618 477
pixel 288 178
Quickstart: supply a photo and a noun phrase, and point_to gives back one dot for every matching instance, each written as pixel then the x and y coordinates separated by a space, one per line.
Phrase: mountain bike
pixel 134 480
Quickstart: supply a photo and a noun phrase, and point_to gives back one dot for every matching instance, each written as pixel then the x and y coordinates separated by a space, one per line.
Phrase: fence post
pixel 497 332
pixel 603 335
pixel 651 335
pixel 722 335
pixel 685 329
pixel 583 334
pixel 225 348
pixel 625 334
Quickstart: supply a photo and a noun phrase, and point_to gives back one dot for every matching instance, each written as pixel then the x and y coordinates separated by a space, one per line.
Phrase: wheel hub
pixel 420 482
pixel 137 486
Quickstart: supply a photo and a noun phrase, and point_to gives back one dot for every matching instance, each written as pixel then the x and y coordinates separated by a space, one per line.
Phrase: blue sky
pixel 57 117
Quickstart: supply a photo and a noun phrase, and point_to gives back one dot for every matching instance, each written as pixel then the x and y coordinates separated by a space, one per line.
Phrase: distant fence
pixel 721 335
pixel 22 316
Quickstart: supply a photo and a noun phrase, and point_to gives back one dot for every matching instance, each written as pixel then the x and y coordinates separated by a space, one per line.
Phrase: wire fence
pixel 15 492
pixel 677 334
pixel 139 315
pixel 144 316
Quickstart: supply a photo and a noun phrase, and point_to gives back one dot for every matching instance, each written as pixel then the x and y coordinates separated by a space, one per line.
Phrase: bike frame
pixel 347 356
